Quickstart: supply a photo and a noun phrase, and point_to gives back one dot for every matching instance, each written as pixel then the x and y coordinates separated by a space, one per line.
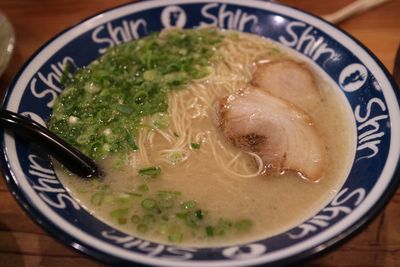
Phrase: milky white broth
pixel 272 203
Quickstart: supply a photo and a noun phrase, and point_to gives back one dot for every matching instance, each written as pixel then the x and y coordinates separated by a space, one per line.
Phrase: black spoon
pixel 70 157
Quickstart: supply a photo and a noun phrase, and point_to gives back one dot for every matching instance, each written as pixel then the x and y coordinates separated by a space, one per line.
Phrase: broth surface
pixel 272 204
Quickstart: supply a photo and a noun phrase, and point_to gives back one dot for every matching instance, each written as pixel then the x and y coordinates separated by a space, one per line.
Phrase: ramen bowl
pixel 367 91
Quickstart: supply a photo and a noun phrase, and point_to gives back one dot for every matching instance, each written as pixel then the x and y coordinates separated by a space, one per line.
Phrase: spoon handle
pixel 70 157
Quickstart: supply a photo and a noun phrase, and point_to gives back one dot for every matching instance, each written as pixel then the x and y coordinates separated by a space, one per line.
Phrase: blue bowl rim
pixel 87 249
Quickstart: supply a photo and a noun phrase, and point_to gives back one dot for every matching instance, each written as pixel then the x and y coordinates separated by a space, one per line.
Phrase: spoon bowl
pixel 67 155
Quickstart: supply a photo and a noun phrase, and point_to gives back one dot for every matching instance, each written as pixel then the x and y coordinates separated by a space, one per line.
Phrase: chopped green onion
pixel 165 217
pixel 225 223
pixel 82 191
pixel 148 203
pixel 190 221
pixel 134 194
pixel 161 120
pixel 83 139
pixel 123 198
pixel 166 203
pixel 129 82
pixel 223 226
pixel 97 199
pixel 119 213
pixel 163 227
pixel 176 78
pixel 188 205
pixel 105 188
pixel 175 237
pixel 195 146
pixel 151 76
pixel 135 219
pixel 126 109
pixel 122 220
pixel 199 214
pixel 181 215
pixel 65 78
pixel 168 194
pixel 210 231
pixel 92 88
pixel 150 171
pixel 243 225
pixel 143 188
pixel 108 199
pixel 176 156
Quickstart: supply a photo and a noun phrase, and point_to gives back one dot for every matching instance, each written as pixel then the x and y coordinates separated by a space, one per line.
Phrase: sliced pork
pixel 289 80
pixel 280 133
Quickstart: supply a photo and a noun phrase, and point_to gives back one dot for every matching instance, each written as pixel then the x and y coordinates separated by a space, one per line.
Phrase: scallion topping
pixel 134 194
pixel 148 203
pixel 150 171
pixel 97 198
pixel 168 194
pixel 130 81
pixel 135 219
pixel 199 214
pixel 175 237
pixel 166 203
pixel 162 214
pixel 161 120
pixel 119 213
pixel 210 231
pixel 243 225
pixel 123 198
pixel 122 220
pixel 189 205
pixel 176 156
pixel 195 146
pixel 143 188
